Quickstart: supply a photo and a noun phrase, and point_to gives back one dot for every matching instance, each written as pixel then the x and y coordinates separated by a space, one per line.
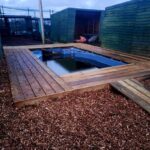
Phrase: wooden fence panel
pixel 126 27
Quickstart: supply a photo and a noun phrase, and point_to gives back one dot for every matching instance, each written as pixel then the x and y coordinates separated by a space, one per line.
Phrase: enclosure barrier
pixel 1 49
pixel 126 27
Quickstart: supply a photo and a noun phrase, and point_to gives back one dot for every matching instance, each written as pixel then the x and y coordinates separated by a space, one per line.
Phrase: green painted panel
pixel 126 27
pixel 63 26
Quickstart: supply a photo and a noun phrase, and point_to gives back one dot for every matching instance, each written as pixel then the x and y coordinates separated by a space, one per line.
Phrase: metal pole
pixel 50 13
pixel 34 14
pixel 42 22
pixel 3 10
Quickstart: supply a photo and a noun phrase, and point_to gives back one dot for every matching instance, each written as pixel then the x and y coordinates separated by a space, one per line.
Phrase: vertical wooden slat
pixel 36 88
pixel 1 49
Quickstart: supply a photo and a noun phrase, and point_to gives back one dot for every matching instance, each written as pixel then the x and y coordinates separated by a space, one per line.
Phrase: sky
pixel 61 4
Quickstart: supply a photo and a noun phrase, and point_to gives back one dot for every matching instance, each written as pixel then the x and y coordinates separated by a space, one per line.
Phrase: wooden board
pixel 133 90
pixel 126 27
pixel 29 79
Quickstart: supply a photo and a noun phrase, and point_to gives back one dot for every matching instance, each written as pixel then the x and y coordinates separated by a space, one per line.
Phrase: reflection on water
pixel 68 60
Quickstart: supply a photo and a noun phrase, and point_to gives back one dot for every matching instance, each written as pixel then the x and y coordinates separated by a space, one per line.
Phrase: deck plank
pixel 52 74
pixel 100 72
pixel 112 53
pixel 36 88
pixel 24 84
pixel 127 73
pixel 95 82
pixel 52 83
pixel 16 89
pixel 134 83
pixel 36 74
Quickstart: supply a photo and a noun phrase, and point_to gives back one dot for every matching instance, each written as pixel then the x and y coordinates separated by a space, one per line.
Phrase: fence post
pixel 3 10
pixel 42 21
pixel 1 49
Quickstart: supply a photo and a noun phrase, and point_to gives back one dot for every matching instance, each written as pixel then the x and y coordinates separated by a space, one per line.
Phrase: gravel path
pixel 102 119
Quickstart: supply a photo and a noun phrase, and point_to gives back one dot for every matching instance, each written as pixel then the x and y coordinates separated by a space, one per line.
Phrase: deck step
pixel 135 91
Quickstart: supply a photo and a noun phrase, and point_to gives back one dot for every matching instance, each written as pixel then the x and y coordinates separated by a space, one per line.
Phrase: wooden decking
pixel 103 76
pixel 32 81
pixel 135 91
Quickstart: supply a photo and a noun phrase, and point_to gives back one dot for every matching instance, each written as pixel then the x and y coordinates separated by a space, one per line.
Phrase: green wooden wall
pixel 63 24
pixel 126 27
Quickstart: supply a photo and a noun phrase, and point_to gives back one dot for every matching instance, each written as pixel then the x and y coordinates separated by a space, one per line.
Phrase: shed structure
pixel 67 25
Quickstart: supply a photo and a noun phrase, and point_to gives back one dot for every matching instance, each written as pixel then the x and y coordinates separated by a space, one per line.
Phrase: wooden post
pixel 0 10
pixel 42 22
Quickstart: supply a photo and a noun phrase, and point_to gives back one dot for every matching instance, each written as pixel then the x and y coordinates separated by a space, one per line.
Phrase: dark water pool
pixel 68 60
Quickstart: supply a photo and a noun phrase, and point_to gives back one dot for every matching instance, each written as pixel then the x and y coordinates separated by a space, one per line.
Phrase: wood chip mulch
pixel 102 119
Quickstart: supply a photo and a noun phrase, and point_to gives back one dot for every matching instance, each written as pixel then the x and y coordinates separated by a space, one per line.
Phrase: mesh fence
pixel 5 10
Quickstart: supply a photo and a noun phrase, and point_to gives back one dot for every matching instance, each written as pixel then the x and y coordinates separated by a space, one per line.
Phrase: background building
pixel 69 24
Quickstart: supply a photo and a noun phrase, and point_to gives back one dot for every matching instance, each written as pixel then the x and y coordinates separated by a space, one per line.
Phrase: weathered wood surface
pixel 103 51
pixel 105 76
pixel 30 78
pixel 135 91
pixel 32 81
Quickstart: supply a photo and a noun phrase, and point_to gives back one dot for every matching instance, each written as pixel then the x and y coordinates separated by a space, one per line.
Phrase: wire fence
pixel 23 22
pixel 6 10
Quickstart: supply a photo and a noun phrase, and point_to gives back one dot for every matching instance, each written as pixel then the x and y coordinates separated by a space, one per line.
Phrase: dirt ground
pixel 102 120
